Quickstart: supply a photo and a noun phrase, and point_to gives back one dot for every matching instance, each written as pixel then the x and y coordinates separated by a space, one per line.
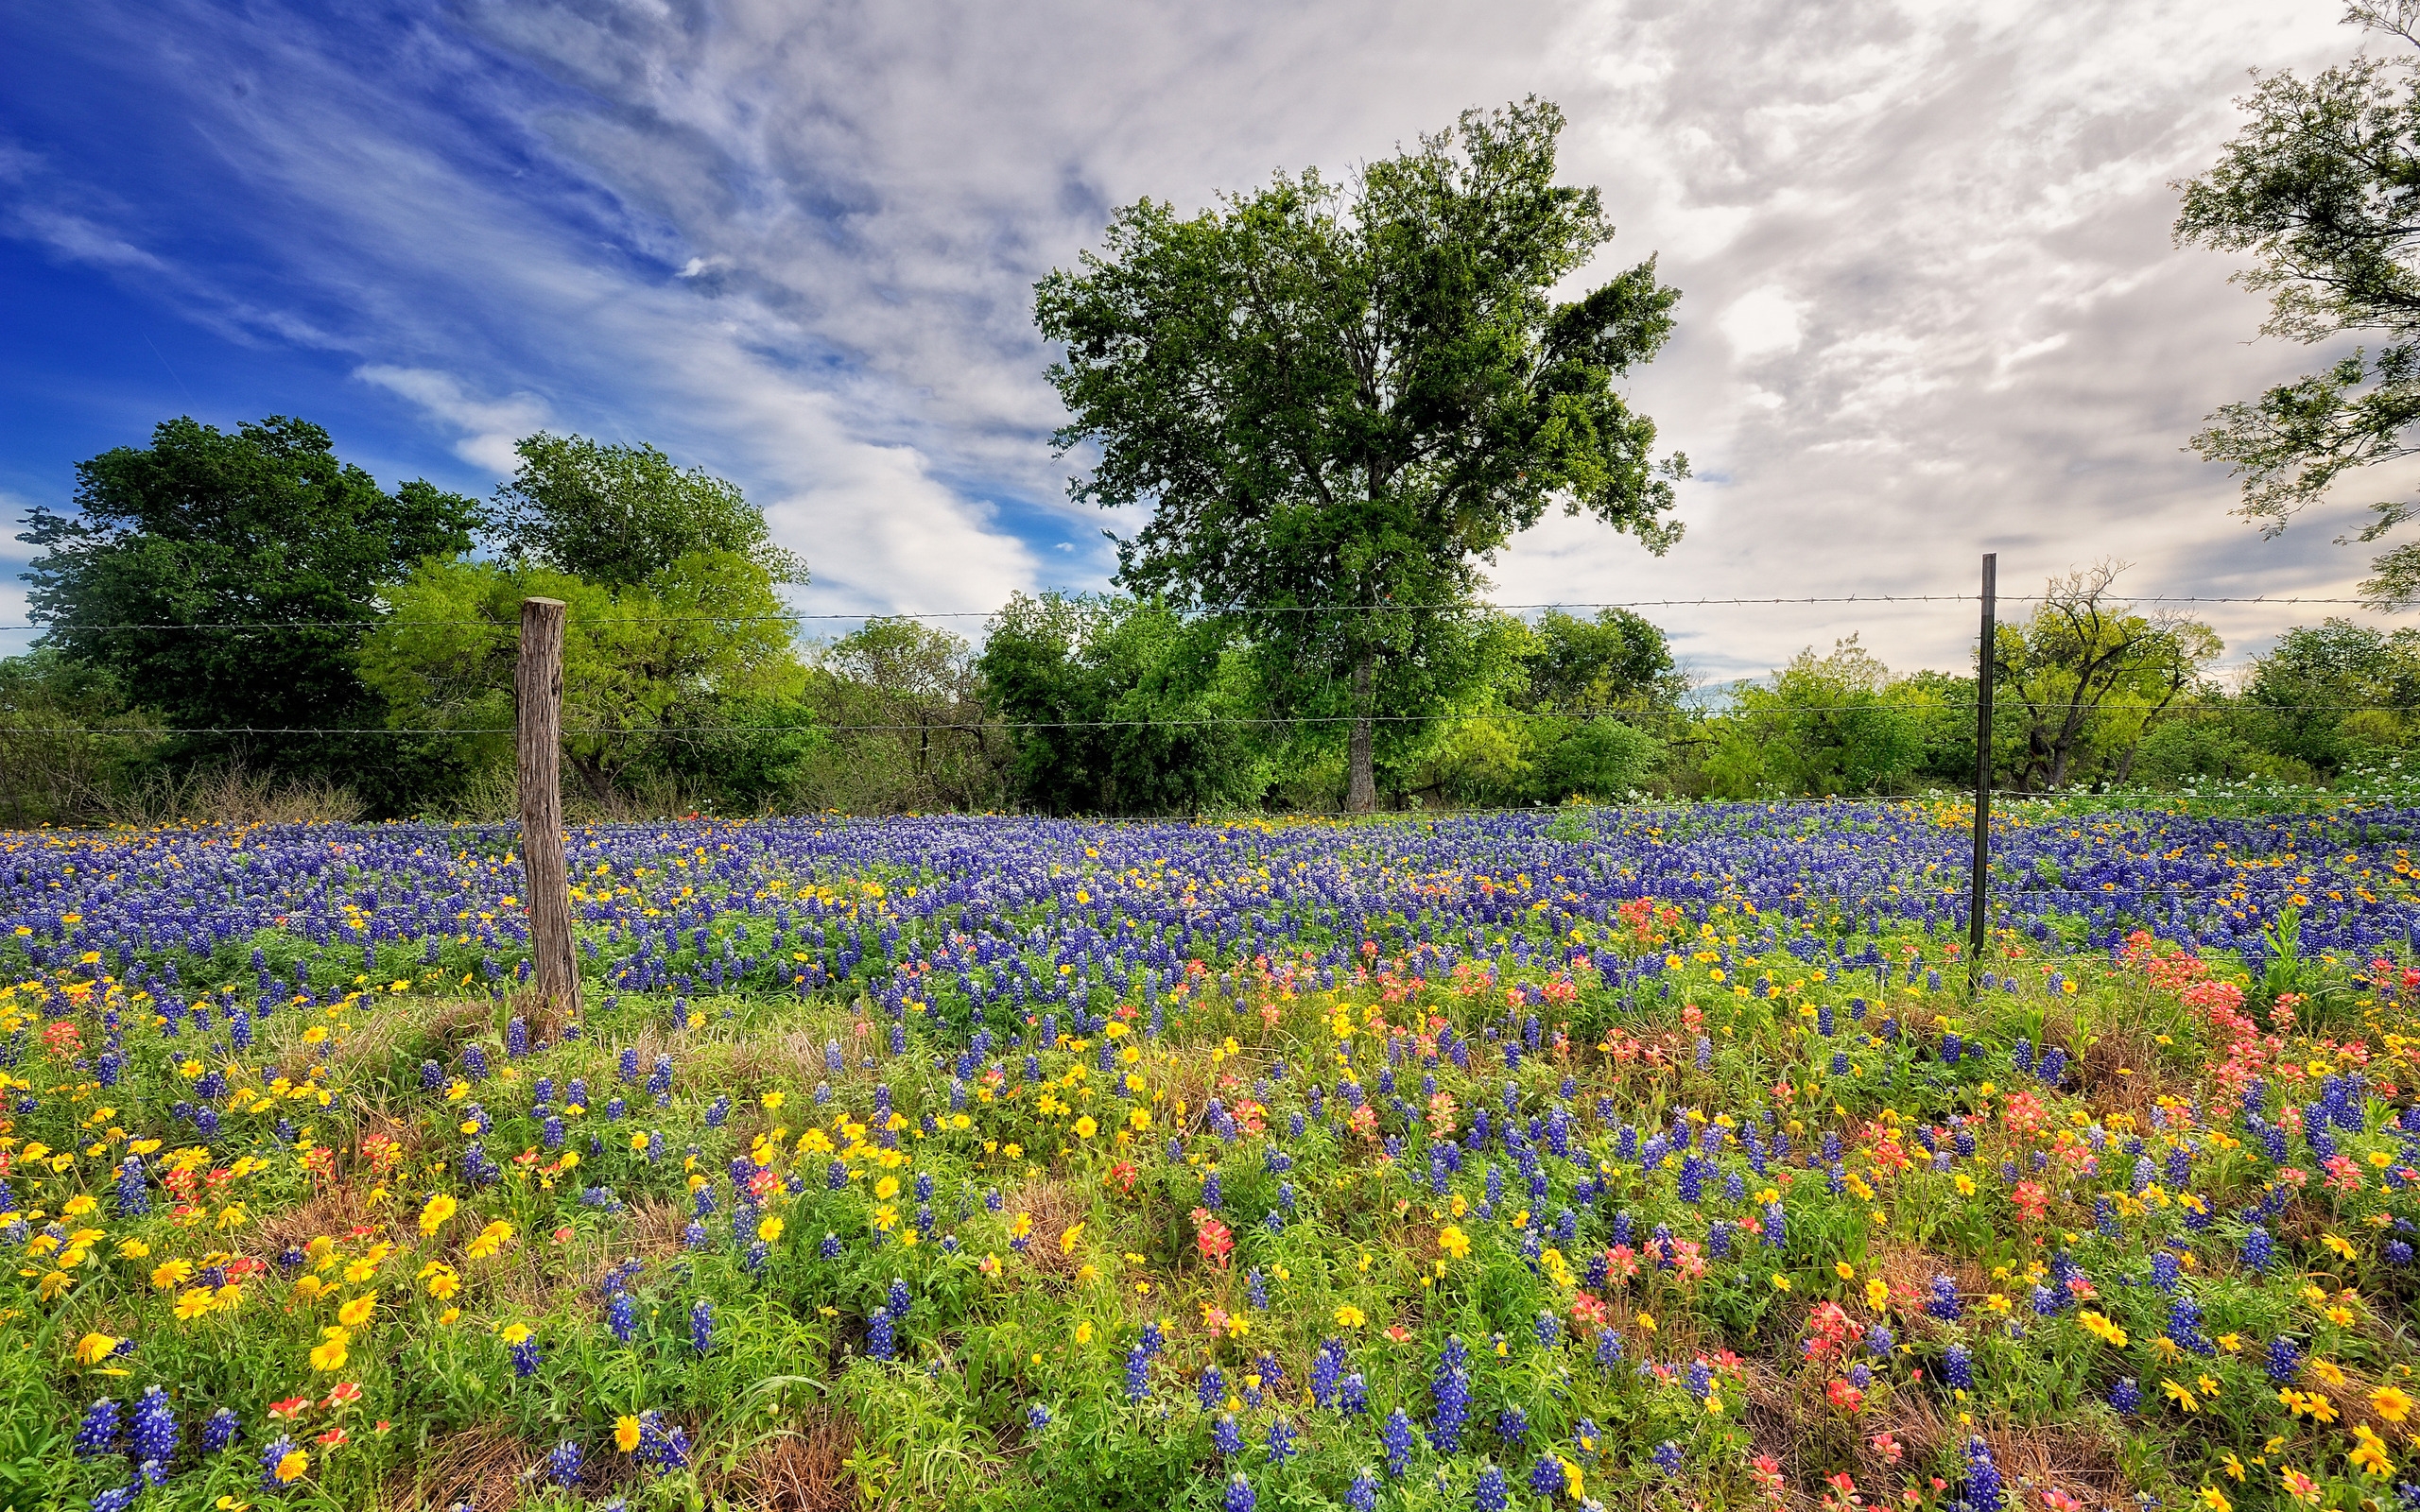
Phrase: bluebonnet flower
pixel 2259 1248
pixel 621 1316
pixel 1667 1458
pixel 1489 1493
pixel 830 1248
pixel 1227 1437
pixel 2126 1396
pixel 878 1335
pixel 563 1465
pixel 524 1356
pixel 1944 1301
pixel 1450 1388
pixel 1982 1478
pixel 219 1431
pixel 1138 1369
pixel 1879 1340
pixel 271 1456
pixel 99 1433
pixel 702 1325
pixel 1239 1494
pixel 1362 1495
pixel 1212 1388
pixel 1550 1328
pixel 133 1199
pixel 660 1450
pixel 1037 1416
pixel 1609 1349
pixel 1281 1440
pixel 153 1439
pixel 1545 1476
pixel 2284 1361
pixel 1396 1436
pixel 897 1301
pixel 1957 1368
pixel 1512 1427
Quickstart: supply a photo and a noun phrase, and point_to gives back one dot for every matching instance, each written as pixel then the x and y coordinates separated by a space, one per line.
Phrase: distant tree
pixel 1823 726
pixel 910 731
pixel 206 528
pixel 2327 693
pixel 691 672
pixel 1339 402
pixel 1117 705
pixel 1618 661
pixel 618 515
pixel 2091 674
pixel 2317 188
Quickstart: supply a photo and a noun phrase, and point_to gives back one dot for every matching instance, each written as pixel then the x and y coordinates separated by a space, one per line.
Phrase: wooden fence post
pixel 538 705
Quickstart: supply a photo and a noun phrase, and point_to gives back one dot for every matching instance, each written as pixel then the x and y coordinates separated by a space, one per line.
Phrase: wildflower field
pixel 1626 1157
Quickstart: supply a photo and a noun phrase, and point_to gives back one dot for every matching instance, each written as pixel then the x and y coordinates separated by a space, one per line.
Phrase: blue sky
pixel 1930 305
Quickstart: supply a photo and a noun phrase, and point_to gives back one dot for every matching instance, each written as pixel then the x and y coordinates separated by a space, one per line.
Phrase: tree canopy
pixel 2317 188
pixel 207 528
pixel 1339 400
pixel 618 515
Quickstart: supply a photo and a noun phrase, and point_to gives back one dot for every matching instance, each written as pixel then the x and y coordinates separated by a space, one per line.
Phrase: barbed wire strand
pixel 1239 611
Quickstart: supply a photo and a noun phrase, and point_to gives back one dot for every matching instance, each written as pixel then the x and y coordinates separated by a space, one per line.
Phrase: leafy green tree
pixel 2317 188
pixel 1824 727
pixel 2327 695
pixel 1116 706
pixel 1618 661
pixel 691 671
pixel 1339 401
pixel 911 731
pixel 2091 675
pixel 206 528
pixel 618 515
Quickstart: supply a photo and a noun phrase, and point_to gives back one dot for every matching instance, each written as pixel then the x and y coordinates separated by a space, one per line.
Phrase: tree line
pixel 247 603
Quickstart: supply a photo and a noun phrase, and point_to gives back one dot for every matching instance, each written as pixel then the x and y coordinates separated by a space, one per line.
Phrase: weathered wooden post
pixel 538 705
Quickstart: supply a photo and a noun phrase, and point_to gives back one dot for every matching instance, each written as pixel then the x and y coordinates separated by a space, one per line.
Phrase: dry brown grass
pixel 479 1466
pixel 799 1470
pixel 2127 1049
pixel 1053 1208
pixel 336 1209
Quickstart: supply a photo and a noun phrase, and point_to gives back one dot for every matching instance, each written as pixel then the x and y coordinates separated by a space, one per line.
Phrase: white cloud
pixel 1762 321
pixel 796 243
pixel 493 426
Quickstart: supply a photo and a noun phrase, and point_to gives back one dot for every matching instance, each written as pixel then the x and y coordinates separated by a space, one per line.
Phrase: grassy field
pixel 1628 1157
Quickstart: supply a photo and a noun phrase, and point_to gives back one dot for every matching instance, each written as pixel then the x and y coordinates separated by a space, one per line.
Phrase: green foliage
pixel 2334 694
pixel 690 671
pixel 2314 188
pixel 1338 404
pixel 51 769
pixel 1096 693
pixel 203 529
pixel 912 732
pixel 1825 727
pixel 1617 660
pixel 618 515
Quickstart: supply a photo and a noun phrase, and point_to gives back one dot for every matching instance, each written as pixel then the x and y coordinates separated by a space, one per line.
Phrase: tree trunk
pixel 1360 772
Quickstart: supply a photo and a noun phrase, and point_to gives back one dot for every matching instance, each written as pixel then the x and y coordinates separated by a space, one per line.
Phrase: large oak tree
pixel 1339 401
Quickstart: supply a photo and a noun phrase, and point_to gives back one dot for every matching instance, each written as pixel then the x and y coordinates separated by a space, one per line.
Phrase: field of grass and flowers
pixel 1629 1158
